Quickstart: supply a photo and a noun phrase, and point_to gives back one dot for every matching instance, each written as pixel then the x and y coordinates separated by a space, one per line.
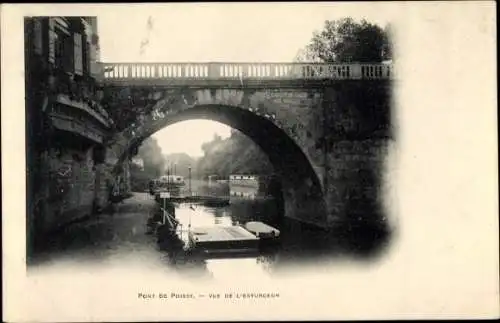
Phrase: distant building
pixel 243 177
pixel 244 180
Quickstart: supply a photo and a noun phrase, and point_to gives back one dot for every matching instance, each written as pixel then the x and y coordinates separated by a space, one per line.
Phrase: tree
pixel 236 154
pixel 347 41
pixel 151 154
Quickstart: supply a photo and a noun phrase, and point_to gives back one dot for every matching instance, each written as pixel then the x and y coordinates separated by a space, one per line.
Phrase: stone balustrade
pixel 244 71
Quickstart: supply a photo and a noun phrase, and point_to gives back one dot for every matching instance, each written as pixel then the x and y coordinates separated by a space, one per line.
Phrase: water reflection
pixel 246 204
pixel 299 242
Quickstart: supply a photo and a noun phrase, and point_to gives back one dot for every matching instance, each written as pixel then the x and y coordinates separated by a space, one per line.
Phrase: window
pixel 78 53
pixel 61 45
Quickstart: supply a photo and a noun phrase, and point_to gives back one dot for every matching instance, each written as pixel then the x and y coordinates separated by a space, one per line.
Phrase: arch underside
pixel 302 191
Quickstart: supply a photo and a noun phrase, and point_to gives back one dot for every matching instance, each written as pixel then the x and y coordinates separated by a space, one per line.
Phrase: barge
pixel 232 241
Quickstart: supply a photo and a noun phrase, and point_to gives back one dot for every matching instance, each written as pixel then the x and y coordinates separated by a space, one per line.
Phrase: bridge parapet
pixel 121 72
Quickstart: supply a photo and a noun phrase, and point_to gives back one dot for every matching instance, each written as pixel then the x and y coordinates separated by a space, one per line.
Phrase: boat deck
pixel 262 230
pixel 224 238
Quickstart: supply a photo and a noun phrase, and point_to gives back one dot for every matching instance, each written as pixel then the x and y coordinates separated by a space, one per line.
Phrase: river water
pixel 122 239
pixel 299 243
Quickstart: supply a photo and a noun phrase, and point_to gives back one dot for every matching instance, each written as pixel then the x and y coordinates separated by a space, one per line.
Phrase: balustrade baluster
pixel 154 71
pixel 236 71
pixel 305 71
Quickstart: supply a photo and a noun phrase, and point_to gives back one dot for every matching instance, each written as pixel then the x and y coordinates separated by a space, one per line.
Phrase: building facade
pixel 66 125
pixel 244 180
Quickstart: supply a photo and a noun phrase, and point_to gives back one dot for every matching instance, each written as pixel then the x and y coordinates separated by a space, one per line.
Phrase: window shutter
pixel 38 37
pixel 52 42
pixel 68 54
pixel 78 60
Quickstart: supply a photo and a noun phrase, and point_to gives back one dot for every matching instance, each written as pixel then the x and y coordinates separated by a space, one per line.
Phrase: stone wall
pixel 354 179
pixel 69 187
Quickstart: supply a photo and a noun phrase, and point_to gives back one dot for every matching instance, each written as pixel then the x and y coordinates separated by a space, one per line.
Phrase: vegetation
pixel 237 154
pixel 154 164
pixel 346 41
pixel 179 164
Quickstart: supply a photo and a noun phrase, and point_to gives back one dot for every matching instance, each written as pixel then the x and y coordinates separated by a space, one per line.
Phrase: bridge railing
pixel 242 71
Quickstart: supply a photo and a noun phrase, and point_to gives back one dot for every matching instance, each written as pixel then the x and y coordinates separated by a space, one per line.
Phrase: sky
pixel 203 32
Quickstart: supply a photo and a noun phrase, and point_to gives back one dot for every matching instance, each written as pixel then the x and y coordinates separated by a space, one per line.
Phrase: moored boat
pixel 262 230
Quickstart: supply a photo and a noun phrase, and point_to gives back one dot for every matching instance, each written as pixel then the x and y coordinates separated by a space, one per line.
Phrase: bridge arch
pixel 303 194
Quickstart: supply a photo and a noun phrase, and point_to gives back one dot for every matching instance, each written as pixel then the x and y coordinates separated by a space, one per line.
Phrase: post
pixel 190 193
pixel 164 210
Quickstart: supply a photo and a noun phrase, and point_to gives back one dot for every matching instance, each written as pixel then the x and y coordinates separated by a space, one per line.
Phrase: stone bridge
pixel 324 127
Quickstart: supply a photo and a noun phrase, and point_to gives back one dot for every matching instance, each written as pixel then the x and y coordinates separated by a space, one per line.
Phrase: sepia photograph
pixel 205 160
pixel 186 154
